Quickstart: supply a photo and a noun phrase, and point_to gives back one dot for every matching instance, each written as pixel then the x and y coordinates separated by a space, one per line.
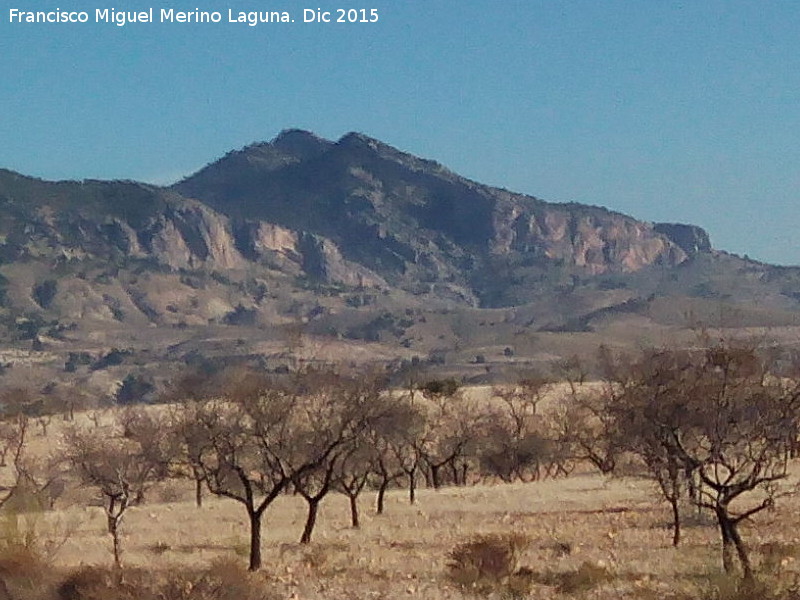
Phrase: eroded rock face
pixel 599 242
pixel 270 237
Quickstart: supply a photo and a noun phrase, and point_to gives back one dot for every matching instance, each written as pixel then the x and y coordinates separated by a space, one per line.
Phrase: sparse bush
pixel 222 580
pixel 23 528
pixel 724 586
pixel 170 492
pixel 23 572
pixel 159 548
pixel 44 293
pixel 488 563
pixel 440 387
pixel 587 576
pixel 776 555
pixel 135 388
pixel 558 548
pixel 114 358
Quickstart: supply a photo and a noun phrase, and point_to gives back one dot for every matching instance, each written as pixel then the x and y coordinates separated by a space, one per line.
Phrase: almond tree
pixel 268 433
pixel 388 439
pixel 721 415
pixel 120 467
pixel 351 475
pixel 584 421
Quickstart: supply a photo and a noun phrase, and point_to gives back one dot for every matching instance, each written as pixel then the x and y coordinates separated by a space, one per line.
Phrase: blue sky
pixel 668 111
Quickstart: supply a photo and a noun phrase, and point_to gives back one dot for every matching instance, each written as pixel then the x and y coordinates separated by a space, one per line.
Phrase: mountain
pixel 372 252
pixel 417 225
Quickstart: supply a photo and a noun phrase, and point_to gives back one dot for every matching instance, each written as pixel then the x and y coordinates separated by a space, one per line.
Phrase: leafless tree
pixel 720 415
pixel 120 467
pixel 389 438
pixel 644 415
pixel 190 432
pixel 449 438
pixel 514 444
pixel 584 420
pixel 351 475
pixel 268 433
pixel 187 395
pixel 13 431
pixel 313 485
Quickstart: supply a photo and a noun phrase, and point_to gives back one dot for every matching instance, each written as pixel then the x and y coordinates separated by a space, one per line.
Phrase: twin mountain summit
pixel 365 246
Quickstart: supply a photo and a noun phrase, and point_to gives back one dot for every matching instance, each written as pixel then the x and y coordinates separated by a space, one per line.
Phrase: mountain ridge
pixel 357 243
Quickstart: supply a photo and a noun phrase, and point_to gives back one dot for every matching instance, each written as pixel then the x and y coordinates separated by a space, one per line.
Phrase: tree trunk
pixel 412 487
pixel 741 551
pixel 381 493
pixel 354 511
pixel 435 477
pixel 114 512
pixel 255 541
pixel 676 522
pixel 727 542
pixel 113 529
pixel 198 492
pixel 311 521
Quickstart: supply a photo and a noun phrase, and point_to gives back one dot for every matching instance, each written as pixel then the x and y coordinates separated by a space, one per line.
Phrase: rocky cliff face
pixel 40 221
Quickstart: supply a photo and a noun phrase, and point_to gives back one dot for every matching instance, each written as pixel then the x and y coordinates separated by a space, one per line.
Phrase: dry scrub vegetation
pixel 672 476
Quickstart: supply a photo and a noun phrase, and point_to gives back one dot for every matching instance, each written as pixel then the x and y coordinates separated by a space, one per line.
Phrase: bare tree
pixel 449 439
pixel 584 421
pixel 351 475
pixel 514 445
pixel 388 438
pixel 186 395
pixel 268 433
pixel 313 485
pixel 13 431
pixel 120 467
pixel 190 432
pixel 13 437
pixel 722 416
pixel 644 416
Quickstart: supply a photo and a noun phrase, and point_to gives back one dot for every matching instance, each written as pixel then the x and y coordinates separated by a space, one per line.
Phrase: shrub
pixel 488 563
pixel 731 587
pixel 44 292
pixel 222 580
pixel 587 576
pixel 23 573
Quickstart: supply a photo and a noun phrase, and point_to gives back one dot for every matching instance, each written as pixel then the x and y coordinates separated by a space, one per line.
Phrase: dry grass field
pixel 583 536
pixel 588 536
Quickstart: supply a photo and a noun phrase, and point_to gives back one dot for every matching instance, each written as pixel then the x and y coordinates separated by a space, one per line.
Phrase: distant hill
pixel 359 245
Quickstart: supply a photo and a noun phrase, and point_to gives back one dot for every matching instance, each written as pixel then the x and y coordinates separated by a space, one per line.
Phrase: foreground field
pixel 590 537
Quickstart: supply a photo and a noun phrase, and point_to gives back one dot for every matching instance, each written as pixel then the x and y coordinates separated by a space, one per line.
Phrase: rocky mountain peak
pixel 300 143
